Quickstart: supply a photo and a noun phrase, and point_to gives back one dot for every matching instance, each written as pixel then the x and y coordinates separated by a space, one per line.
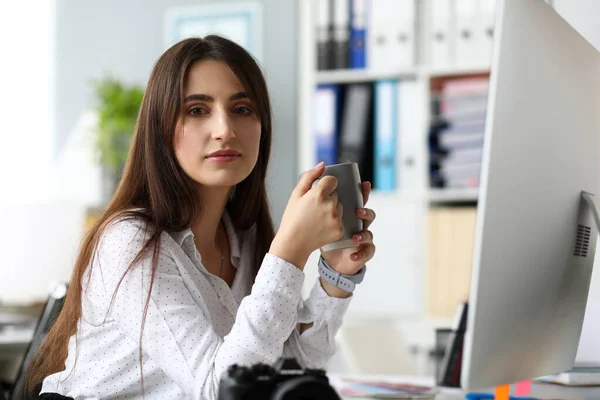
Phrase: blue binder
pixel 358 34
pixel 386 134
pixel 326 122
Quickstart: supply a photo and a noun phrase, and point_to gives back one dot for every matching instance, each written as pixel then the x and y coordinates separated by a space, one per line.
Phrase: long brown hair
pixel 155 188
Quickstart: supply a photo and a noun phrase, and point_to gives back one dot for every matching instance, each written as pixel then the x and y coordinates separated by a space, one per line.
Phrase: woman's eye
pixel 197 111
pixel 243 111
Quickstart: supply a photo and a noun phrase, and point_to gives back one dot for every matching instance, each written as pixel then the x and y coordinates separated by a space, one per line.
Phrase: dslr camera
pixel 285 380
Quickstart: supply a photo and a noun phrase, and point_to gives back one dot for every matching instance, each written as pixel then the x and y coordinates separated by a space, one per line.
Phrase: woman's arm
pixel 178 334
pixel 332 291
pixel 314 341
pixel 320 318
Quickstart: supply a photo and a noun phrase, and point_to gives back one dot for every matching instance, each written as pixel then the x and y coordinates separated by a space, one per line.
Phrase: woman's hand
pixel 349 261
pixel 312 218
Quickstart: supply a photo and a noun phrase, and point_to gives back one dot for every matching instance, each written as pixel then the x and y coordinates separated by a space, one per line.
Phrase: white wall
pixel 26 73
pixel 26 78
pixel 42 197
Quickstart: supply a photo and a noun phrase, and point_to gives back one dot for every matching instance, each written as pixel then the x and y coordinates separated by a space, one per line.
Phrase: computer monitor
pixel 535 235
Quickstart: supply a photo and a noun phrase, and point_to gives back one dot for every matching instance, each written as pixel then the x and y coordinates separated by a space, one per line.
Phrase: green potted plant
pixel 117 109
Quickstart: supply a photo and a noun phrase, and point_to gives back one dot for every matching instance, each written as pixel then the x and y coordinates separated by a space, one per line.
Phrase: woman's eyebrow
pixel 205 97
pixel 198 97
pixel 239 96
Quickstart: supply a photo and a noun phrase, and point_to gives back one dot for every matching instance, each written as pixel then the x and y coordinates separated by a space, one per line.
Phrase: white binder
pixel 378 40
pixel 468 32
pixel 485 32
pixel 411 141
pixel 404 34
pixel 391 39
pixel 441 31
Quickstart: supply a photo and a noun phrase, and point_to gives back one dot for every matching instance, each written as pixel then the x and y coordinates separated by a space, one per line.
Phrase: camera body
pixel 285 380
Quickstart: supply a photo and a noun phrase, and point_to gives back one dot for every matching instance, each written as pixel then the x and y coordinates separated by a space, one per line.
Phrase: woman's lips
pixel 223 159
pixel 223 156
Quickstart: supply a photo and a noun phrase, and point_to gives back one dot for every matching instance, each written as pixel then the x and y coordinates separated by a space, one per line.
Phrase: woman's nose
pixel 223 126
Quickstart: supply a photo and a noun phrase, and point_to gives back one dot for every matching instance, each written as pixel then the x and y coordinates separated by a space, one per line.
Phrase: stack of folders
pixel 373 124
pixel 357 34
pixel 457 132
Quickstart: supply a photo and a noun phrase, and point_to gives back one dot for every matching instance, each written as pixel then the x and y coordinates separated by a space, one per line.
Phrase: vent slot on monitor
pixel 583 241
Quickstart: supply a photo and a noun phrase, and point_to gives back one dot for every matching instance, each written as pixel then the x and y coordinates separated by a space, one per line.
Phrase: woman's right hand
pixel 312 218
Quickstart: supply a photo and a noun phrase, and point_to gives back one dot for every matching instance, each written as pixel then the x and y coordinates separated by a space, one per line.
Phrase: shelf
pixel 362 75
pixel 453 195
pixel 434 72
pixel 432 195
pixel 397 195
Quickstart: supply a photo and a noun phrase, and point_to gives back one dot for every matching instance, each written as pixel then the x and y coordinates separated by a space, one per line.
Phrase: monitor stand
pixel 588 218
pixel 589 205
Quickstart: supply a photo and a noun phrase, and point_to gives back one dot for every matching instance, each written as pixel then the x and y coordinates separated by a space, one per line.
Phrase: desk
pixel 13 344
pixel 16 330
pixel 15 337
pixel 538 390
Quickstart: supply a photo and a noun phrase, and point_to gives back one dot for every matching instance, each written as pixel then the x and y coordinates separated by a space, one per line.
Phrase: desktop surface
pixel 538 390
pixel 16 332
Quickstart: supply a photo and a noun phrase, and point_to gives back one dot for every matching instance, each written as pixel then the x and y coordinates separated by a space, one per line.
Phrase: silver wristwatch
pixel 344 282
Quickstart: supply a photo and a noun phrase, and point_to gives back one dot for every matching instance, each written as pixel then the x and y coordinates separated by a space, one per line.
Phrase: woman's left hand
pixel 349 261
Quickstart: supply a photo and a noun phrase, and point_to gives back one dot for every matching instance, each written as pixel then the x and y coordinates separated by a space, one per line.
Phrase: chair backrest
pixel 45 322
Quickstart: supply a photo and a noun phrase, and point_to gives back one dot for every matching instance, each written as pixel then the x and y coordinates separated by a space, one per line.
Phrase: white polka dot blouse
pixel 196 326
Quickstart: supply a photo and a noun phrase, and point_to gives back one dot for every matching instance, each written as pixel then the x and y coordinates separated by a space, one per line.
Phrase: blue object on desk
pixel 488 396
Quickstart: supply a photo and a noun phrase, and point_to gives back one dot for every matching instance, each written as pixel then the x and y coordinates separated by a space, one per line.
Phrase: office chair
pixel 45 322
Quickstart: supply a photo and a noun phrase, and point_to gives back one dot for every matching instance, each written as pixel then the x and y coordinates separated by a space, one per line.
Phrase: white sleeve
pixel 316 345
pixel 178 335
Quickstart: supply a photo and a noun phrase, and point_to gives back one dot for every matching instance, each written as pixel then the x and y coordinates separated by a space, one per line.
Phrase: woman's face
pixel 218 133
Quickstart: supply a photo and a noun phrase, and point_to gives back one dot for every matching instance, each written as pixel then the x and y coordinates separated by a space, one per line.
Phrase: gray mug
pixel 350 196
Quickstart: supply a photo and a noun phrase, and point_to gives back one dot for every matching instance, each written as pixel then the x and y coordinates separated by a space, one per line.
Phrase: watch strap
pixel 344 282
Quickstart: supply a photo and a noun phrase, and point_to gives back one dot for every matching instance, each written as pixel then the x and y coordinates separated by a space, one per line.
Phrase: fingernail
pixel 362 211
pixel 319 165
pixel 358 238
pixel 354 257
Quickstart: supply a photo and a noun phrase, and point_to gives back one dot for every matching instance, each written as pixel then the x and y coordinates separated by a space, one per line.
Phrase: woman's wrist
pixel 332 290
pixel 291 255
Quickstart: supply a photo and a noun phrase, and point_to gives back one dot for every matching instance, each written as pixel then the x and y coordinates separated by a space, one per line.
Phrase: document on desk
pixel 353 388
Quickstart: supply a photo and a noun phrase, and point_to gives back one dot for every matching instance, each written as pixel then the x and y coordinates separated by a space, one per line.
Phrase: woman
pixel 183 275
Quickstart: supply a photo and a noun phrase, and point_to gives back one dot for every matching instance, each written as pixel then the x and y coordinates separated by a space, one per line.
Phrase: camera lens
pixel 314 372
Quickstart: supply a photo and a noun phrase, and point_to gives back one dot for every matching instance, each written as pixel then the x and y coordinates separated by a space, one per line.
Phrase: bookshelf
pixel 421 73
pixel 450 196
pixel 351 76
pixel 401 229
pixel 437 72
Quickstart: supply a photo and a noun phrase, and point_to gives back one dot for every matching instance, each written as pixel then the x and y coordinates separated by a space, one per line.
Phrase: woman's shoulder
pixel 126 224
pixel 123 240
pixel 125 232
